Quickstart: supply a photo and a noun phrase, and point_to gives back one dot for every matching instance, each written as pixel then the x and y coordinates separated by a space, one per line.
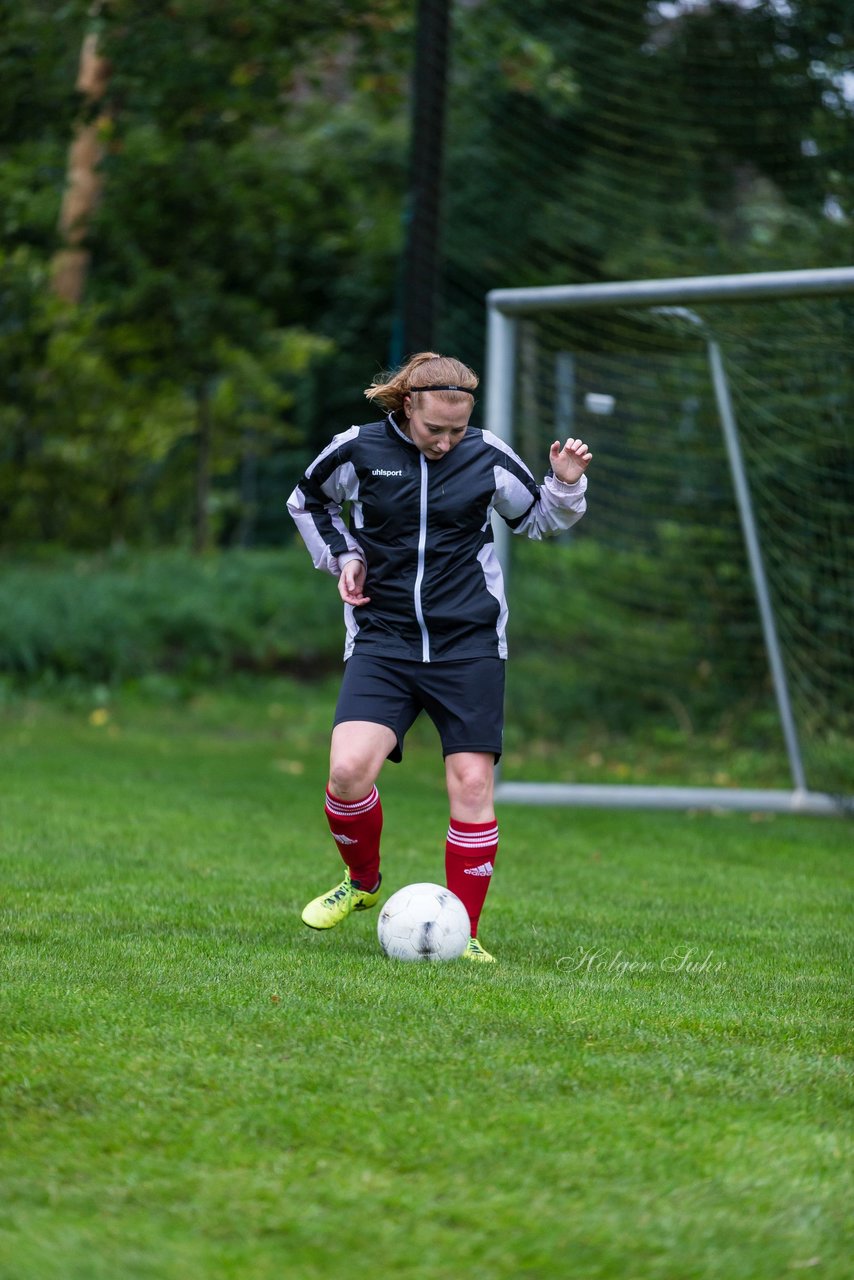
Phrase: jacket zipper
pixel 422 548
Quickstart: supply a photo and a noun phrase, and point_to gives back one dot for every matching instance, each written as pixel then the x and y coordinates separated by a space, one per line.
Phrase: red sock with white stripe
pixel 356 827
pixel 469 860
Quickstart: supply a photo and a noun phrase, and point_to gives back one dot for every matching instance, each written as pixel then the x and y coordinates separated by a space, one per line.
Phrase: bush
pixel 619 638
pixel 110 619
pixel 578 651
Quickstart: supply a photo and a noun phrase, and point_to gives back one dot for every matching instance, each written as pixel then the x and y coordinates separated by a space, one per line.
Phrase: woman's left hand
pixel 570 462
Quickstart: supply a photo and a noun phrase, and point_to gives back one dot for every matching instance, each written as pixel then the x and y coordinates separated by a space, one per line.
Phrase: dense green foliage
pixel 244 271
pixel 251 213
pixel 192 1084
pixel 631 140
pixel 244 283
pixel 109 619
pixel 122 617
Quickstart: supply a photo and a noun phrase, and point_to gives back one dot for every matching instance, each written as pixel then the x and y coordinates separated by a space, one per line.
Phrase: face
pixel 435 425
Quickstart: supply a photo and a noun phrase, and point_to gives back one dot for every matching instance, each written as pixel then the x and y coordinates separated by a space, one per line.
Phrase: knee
pixel 470 783
pixel 350 777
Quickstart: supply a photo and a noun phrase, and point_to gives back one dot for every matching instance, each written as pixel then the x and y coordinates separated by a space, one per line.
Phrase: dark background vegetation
pixel 245 282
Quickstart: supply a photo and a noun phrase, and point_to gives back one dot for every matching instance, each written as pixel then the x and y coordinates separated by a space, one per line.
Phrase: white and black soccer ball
pixel 424 922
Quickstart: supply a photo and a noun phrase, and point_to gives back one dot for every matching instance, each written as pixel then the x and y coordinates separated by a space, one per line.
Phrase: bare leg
pixel 470 779
pixel 358 752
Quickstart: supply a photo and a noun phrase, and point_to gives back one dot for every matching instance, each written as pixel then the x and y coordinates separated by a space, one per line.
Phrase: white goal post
pixel 505 307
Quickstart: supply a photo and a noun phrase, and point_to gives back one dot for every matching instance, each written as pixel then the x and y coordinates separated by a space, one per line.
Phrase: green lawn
pixel 653 1083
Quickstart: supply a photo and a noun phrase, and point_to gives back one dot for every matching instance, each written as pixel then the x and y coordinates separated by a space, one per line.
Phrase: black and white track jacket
pixel 423 529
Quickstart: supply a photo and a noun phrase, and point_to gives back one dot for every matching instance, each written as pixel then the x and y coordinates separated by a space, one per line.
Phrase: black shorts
pixel 465 700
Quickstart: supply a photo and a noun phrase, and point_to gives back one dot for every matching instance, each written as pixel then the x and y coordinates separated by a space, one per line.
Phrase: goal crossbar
pixel 504 306
pixel 745 287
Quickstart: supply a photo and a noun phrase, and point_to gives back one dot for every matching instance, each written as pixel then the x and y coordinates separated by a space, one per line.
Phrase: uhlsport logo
pixel 380 471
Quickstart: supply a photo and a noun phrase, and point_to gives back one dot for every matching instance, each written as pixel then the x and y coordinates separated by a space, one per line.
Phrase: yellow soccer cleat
pixel 333 907
pixel 474 951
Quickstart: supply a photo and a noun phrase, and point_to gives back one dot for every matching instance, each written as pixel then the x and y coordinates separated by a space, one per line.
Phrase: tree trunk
pixel 83 185
pixel 421 256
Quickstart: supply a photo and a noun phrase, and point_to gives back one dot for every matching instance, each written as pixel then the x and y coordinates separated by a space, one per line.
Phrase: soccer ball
pixel 424 922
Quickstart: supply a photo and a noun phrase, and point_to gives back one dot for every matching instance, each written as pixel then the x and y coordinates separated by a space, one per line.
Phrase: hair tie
pixel 449 386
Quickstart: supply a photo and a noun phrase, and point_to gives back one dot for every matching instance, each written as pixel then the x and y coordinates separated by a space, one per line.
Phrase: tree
pixel 244 257
pixel 247 233
pixel 83 188
pixel 630 140
pixel 197 243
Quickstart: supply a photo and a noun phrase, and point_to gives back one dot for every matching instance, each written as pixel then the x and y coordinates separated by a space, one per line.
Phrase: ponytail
pixel 427 371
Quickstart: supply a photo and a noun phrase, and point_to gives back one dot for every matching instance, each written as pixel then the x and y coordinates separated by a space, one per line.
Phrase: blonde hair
pixel 426 369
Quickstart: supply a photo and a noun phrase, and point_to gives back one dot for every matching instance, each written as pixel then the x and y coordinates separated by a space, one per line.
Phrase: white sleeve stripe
pixel 514 498
pixel 342 485
pixel 498 443
pixel 335 443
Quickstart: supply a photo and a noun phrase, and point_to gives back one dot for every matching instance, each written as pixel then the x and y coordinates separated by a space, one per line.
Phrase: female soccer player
pixel 424 609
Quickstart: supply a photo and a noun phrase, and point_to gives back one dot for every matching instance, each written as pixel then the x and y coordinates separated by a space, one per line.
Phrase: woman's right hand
pixel 351 583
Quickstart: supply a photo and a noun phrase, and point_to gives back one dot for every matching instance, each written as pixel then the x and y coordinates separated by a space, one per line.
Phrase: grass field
pixel 653 1083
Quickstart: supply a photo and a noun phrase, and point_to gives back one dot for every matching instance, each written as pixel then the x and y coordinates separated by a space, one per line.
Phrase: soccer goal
pixel 712 579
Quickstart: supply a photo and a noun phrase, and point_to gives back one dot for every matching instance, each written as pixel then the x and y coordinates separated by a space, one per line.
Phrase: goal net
pixel 690 643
